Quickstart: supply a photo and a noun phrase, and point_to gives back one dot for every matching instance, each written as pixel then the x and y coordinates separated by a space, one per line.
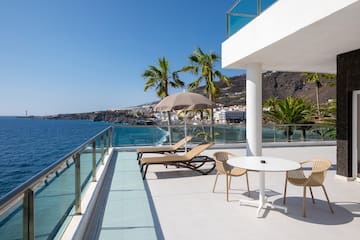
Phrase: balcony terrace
pixel 184 207
pixel 111 201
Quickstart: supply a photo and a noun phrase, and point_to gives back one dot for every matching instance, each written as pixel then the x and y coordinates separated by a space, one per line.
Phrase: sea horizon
pixel 29 145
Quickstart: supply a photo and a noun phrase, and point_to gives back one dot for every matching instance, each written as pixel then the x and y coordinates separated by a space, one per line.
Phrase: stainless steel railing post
pixel 102 148
pixel 274 133
pixel 94 161
pixel 107 142
pixel 77 184
pixel 111 137
pixel 28 215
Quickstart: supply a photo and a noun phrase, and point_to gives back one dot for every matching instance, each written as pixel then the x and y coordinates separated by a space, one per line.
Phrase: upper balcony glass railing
pixel 243 12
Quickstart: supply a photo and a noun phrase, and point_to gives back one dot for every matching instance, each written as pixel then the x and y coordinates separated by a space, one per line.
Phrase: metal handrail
pixel 17 193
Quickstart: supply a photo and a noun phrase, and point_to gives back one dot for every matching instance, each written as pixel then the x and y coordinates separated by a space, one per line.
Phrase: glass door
pixel 356 134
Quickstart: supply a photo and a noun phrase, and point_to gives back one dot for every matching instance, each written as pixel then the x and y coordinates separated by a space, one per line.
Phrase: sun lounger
pixel 164 149
pixel 190 160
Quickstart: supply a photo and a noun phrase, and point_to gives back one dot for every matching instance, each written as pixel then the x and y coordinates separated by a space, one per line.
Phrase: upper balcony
pixel 243 12
pixel 298 36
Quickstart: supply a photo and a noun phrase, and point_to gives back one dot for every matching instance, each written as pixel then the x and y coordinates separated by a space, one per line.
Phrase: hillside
pixel 275 84
pixel 132 116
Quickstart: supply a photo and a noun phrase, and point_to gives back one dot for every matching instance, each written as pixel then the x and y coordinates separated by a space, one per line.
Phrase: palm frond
pixel 195 84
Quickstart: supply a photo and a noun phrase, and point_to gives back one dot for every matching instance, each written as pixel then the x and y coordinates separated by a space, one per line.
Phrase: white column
pixel 254 109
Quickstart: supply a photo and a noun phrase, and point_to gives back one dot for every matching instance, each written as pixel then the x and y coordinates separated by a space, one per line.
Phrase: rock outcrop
pixel 132 117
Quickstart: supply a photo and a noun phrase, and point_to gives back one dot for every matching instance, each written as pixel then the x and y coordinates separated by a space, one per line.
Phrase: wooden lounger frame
pixel 190 160
pixel 164 149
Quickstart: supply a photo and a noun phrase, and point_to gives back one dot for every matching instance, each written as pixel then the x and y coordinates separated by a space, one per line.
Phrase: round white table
pixel 263 164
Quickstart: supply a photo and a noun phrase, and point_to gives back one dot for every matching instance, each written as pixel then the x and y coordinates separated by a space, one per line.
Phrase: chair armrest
pixel 306 161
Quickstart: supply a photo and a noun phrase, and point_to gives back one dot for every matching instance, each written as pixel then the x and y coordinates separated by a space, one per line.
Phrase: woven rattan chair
pixel 223 168
pixel 315 179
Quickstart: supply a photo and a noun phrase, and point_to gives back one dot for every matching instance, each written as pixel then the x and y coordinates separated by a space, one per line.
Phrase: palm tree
pixel 160 77
pixel 203 65
pixel 329 110
pixel 288 111
pixel 330 78
pixel 315 78
pixel 329 117
pixel 271 102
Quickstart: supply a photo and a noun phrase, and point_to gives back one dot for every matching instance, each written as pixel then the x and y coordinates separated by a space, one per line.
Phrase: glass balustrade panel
pixel 266 3
pixel 222 133
pixel 86 166
pixel 11 222
pixel 237 22
pixel 243 12
pixel 53 201
pixel 246 7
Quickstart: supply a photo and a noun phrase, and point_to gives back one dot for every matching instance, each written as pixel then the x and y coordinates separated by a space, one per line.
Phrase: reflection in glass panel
pixel 266 3
pixel 231 133
pixel 237 22
pixel 139 136
pixel 245 11
pixel 54 201
pixel 85 168
pixel 246 7
pixel 11 222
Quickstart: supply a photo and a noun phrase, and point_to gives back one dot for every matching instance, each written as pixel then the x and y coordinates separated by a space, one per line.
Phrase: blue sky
pixel 64 56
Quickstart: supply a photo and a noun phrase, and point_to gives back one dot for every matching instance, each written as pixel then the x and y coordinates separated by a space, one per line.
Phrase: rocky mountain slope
pixel 275 84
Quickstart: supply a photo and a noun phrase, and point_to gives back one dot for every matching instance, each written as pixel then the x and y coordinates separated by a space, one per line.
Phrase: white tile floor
pixel 187 208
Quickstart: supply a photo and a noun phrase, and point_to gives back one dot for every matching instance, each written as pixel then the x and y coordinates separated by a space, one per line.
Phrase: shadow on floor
pixel 94 227
pixel 319 213
pixel 179 174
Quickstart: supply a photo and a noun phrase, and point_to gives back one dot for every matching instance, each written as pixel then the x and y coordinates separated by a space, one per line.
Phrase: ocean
pixel 27 145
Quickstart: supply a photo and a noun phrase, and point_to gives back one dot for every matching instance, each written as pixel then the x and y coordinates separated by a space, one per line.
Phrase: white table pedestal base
pixel 263 164
pixel 262 203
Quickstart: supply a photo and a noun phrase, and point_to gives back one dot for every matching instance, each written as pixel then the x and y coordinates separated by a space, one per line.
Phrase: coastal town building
pixel 229 115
